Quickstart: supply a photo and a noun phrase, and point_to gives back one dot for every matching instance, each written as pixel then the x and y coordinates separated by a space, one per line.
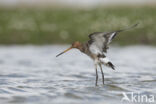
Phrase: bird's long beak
pixel 64 51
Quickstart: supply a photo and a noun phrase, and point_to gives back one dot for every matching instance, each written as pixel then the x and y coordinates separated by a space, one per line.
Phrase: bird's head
pixel 76 44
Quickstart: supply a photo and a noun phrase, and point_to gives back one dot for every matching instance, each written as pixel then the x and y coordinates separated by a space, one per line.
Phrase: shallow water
pixel 33 75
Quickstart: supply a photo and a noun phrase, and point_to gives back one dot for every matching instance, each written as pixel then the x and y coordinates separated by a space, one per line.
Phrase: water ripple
pixel 32 74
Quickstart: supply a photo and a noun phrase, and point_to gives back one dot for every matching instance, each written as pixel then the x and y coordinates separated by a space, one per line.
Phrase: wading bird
pixel 96 48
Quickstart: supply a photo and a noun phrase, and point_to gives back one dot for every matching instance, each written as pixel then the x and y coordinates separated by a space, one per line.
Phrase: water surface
pixel 33 75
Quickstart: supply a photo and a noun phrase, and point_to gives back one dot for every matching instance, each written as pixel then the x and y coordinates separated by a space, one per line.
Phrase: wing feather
pixel 99 41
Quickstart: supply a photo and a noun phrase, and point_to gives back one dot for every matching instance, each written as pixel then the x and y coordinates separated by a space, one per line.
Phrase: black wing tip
pixel 91 34
pixel 111 65
pixel 133 26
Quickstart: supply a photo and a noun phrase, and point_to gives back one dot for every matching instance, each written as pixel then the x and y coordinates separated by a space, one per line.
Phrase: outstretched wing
pixel 99 41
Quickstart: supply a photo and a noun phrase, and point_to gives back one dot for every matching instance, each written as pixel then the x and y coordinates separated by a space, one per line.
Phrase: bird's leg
pixel 96 75
pixel 102 73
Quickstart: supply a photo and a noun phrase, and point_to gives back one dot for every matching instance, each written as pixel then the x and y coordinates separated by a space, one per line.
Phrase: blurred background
pixel 64 21
pixel 33 32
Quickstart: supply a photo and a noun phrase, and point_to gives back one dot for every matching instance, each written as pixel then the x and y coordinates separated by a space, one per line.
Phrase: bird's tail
pixel 128 28
pixel 106 62
pixel 109 64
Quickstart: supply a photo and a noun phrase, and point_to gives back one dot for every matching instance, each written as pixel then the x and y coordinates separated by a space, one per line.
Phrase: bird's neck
pixel 83 47
pixel 80 47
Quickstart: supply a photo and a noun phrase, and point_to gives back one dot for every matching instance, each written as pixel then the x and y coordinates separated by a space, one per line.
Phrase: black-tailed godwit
pixel 96 48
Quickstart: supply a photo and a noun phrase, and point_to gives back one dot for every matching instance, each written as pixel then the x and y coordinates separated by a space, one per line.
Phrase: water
pixel 33 75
